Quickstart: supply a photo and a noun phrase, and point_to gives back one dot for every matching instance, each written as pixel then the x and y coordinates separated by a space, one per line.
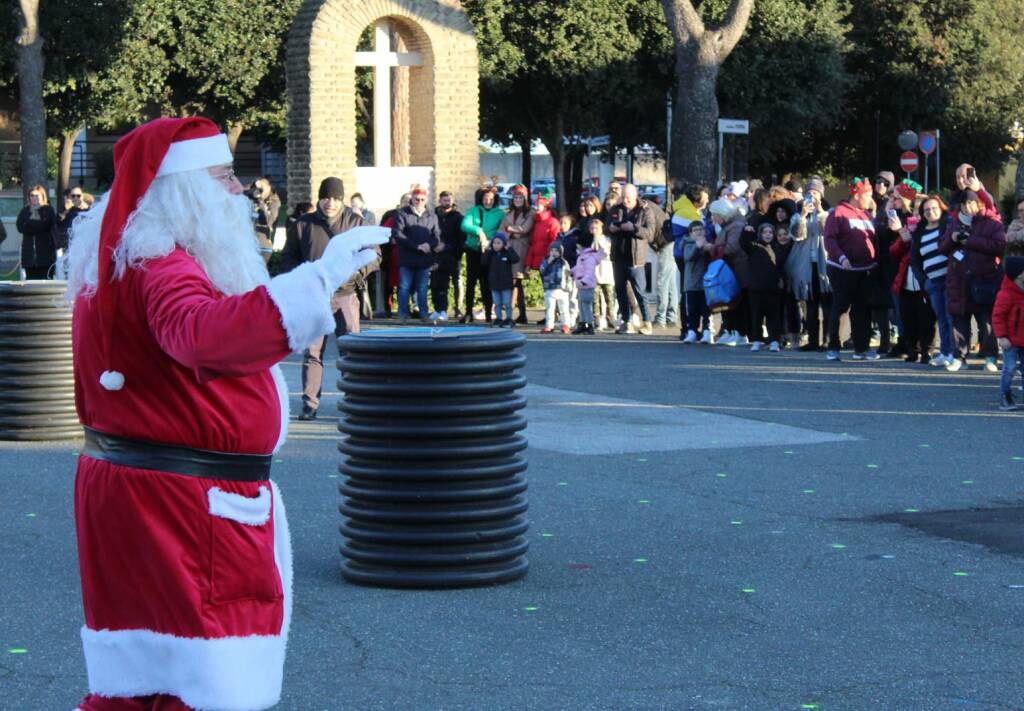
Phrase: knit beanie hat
pixel 739 188
pixel 331 188
pixel 789 206
pixel 815 184
pixel 1014 267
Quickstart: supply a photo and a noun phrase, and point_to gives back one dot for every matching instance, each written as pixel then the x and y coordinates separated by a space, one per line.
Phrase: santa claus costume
pixel 182 538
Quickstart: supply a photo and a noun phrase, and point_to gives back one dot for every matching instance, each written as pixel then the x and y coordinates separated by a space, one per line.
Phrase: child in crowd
pixel 498 260
pixel 605 274
pixel 585 275
pixel 554 275
pixel 766 251
pixel 1008 325
pixel 568 237
pixel 696 257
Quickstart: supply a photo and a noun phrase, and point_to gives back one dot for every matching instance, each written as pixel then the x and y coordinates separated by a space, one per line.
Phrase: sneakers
pixel 1006 403
pixel 832 355
pixel 442 315
pixel 990 365
pixel 308 413
pixel 565 330
pixel 728 339
pixel 774 347
pixel 630 328
pixel 866 355
pixel 707 338
pixel 623 328
pixel 691 337
pixel 740 340
pixel 940 361
pixel 755 346
pixel 602 324
pixel 646 329
pixel 955 365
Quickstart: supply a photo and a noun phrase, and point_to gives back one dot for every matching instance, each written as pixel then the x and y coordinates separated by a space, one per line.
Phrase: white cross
pixel 382 59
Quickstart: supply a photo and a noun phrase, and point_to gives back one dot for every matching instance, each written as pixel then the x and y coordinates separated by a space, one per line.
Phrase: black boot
pixel 308 413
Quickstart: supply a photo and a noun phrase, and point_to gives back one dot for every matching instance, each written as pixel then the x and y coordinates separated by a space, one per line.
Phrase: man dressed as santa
pixel 182 539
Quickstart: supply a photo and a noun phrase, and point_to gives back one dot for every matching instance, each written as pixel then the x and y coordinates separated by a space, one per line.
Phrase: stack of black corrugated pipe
pixel 434 492
pixel 37 385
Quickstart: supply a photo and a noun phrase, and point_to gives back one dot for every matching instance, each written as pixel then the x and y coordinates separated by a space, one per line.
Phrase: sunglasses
pixel 76 195
pixel 882 181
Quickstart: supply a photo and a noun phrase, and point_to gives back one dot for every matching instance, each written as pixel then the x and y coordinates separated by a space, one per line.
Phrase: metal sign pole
pixel 938 160
pixel 721 145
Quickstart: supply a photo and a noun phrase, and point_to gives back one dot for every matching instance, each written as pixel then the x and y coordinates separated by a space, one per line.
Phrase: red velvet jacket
pixel 196 363
pixel 1008 314
pixel 545 232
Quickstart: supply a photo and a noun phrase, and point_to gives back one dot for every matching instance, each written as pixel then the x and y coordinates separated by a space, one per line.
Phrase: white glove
pixel 349 252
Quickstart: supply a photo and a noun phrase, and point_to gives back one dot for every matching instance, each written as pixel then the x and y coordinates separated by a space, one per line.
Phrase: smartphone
pixel 891 213
pixel 971 173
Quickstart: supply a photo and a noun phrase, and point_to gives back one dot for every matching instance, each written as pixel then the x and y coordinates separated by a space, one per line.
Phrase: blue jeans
pixel 502 300
pixel 937 294
pixel 1013 359
pixel 630 281
pixel 410 278
pixel 667 287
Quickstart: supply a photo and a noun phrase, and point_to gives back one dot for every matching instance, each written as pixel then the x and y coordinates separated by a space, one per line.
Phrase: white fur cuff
pixel 304 299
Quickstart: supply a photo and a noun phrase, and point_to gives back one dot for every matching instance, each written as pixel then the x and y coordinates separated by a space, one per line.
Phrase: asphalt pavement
pixel 710 529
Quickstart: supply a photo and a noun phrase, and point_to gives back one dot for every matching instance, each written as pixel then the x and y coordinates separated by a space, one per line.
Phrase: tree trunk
pixel 526 172
pixel 700 51
pixel 67 151
pixel 695 120
pixel 1019 183
pixel 555 143
pixel 234 133
pixel 30 97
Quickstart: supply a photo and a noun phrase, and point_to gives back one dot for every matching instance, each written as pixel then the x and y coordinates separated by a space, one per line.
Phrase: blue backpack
pixel 720 286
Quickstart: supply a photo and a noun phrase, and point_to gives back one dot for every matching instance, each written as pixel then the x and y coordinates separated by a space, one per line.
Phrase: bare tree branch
pixel 729 32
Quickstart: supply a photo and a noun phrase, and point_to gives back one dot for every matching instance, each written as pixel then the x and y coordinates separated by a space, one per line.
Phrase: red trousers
pixel 161 702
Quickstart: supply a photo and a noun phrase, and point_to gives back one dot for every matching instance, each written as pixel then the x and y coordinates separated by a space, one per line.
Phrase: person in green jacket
pixel 480 224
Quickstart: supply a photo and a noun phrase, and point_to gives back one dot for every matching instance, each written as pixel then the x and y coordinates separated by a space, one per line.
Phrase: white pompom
pixel 112 380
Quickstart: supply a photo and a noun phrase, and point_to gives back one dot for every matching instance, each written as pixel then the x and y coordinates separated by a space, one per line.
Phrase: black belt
pixel 178 460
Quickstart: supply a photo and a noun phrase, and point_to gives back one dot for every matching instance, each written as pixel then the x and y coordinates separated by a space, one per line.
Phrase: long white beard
pixel 189 210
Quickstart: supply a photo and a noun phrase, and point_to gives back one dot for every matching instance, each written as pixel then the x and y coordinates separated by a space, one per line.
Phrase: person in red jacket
pixel 974 242
pixel 183 545
pixel 852 268
pixel 1008 324
pixel 545 231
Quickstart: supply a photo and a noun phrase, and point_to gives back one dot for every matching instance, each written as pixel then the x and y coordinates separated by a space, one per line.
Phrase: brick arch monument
pixel 432 44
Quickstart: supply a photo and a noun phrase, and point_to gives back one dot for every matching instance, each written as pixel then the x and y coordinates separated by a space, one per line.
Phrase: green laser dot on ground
pixel 278 461
pixel 644 501
pixel 872 466
pixel 911 510
pixel 736 522
pixel 563 483
pixel 967 482
pixel 1017 459
pixel 809 706
pixel 961 574
pixel 31 515
pixel 924 446
pixel 720 475
pixel 17 650
pixel 332 476
pixel 788 451
pixel 808 491
pixel 639 560
pixel 748 590
pixel 547 535
pixel 641 459
pixel 531 608
pixel 838 546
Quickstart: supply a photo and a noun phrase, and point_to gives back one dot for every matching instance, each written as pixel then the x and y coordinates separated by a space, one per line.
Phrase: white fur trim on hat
pixel 194 154
pixel 112 380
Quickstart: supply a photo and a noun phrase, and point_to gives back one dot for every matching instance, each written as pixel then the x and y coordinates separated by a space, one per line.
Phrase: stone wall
pixel 444 92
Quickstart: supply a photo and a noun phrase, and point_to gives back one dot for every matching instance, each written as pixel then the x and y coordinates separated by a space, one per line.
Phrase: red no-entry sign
pixel 908 162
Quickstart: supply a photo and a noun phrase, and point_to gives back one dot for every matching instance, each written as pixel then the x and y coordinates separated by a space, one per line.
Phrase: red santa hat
pixel 155 149
pixel 418 190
